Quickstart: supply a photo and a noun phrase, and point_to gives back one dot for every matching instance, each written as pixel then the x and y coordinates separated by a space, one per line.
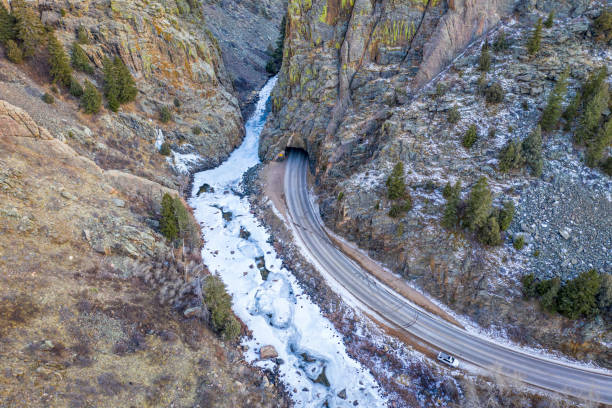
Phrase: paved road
pixel 398 311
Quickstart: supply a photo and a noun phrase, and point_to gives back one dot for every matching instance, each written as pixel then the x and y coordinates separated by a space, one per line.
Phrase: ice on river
pixel 314 364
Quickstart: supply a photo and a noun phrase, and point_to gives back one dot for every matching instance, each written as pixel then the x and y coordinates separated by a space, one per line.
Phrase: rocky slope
pixel 355 93
pixel 77 327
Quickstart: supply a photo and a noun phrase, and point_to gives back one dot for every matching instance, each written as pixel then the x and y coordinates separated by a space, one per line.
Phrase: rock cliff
pixel 367 84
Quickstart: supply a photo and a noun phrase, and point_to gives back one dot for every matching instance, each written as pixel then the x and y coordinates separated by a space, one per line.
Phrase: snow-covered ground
pixel 276 309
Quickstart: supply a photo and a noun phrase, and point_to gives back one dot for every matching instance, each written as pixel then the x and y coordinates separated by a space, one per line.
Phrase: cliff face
pixel 365 84
pixel 171 54
pixel 246 31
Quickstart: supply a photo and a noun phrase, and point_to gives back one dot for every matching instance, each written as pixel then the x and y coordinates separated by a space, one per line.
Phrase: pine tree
pixel 550 20
pixel 168 225
pixel 553 109
pixel 489 233
pixel 591 117
pixel 484 62
pixel 501 42
pixel 30 30
pixel 571 111
pixel 597 147
pixel 506 214
pixel 8 30
pixel 111 85
pixel 470 137
pixel 76 89
pixel 119 85
pixel 578 297
pixel 396 187
pixel 532 151
pixel 91 101
pixel 127 85
pixel 58 60
pixel 80 60
pixel 450 219
pixel 479 205
pixel 533 44
pixel 510 156
pixel 13 52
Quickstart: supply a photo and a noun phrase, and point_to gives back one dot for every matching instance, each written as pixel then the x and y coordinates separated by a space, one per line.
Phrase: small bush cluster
pixel 519 242
pixel 48 98
pixel 119 85
pixel 396 191
pixel 196 130
pixel 587 295
pixel 453 115
pixel 176 223
pixel 494 93
pixel 477 213
pixel 165 115
pixel 515 155
pixel 164 150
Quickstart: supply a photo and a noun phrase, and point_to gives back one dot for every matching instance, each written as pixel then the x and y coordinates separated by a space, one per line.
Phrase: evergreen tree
pixel 593 84
pixel 578 297
pixel 510 156
pixel 597 147
pixel 506 214
pixel 80 60
pixel 479 205
pixel 76 89
pixel 549 291
pixel 572 110
pixel 553 109
pixel 8 30
pixel 219 302
pixel 111 85
pixel 91 101
pixel 489 233
pixel 532 151
pixel 450 219
pixel 13 52
pixel 603 26
pixel 127 85
pixel 533 44
pixel 501 42
pixel 168 224
pixel 30 30
pixel 82 36
pixel 484 62
pixel 529 286
pixel 396 187
pixel 470 137
pixel 119 85
pixel 58 60
pixel 592 114
pixel 550 20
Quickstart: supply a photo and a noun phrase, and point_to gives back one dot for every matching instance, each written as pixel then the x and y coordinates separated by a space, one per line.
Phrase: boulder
pixel 267 352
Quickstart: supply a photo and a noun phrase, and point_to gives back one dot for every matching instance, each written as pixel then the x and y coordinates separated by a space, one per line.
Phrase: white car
pixel 448 359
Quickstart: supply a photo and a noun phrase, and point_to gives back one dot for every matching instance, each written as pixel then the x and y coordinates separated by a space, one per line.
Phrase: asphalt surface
pixel 399 312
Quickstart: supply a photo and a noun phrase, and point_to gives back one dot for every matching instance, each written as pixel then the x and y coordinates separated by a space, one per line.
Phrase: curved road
pixel 398 311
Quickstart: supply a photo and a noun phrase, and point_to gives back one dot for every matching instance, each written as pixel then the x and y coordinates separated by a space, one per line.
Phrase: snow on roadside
pixel 312 360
